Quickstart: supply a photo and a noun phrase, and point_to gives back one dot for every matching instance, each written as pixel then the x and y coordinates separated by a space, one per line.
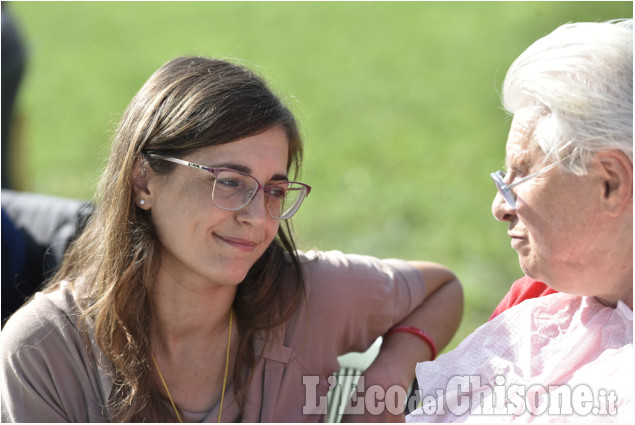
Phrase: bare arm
pixel 439 315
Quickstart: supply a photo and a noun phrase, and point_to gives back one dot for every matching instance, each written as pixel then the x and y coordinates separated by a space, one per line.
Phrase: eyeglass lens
pixel 284 199
pixel 233 190
pixel 504 189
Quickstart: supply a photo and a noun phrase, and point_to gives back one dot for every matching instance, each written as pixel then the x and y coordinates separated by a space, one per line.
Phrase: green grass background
pixel 398 102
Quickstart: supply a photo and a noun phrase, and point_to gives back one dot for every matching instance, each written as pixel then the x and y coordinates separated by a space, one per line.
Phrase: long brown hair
pixel 188 104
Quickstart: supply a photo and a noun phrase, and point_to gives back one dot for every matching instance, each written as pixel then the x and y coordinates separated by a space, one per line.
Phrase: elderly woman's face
pixel 553 227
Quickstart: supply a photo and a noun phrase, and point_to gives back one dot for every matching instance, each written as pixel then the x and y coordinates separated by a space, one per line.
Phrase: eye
pixel 277 191
pixel 513 173
pixel 228 183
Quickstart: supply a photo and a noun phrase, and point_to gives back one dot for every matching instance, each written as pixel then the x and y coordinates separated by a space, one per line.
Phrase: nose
pixel 255 210
pixel 501 210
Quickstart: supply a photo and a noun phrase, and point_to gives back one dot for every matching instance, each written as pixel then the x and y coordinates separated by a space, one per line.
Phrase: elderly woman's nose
pixel 501 210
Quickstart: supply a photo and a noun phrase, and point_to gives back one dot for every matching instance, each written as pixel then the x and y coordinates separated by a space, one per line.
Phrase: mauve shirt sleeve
pixel 354 299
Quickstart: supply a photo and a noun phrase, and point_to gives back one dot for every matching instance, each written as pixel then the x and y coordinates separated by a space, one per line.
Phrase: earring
pixel 142 202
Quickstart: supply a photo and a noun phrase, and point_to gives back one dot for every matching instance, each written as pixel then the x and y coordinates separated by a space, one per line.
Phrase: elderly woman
pixel 567 197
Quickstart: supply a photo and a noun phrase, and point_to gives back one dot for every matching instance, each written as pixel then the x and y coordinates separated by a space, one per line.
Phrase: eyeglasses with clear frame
pixel 233 190
pixel 506 189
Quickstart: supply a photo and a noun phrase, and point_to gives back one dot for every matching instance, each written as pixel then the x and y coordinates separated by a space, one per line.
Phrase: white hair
pixel 581 77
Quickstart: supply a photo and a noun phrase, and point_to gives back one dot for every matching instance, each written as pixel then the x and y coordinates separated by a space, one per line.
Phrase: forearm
pixel 439 316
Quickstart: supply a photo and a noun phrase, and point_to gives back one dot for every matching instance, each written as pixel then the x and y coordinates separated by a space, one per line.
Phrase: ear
pixel 616 172
pixel 140 185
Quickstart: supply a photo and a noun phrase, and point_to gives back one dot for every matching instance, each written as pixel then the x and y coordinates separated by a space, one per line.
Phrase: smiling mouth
pixel 239 243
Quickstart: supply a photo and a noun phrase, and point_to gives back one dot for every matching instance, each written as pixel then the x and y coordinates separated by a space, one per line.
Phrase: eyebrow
pixel 247 170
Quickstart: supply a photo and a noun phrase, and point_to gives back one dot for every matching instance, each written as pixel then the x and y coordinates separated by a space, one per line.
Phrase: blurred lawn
pixel 398 101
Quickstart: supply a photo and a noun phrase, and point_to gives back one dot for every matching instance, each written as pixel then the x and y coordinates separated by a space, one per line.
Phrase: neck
pixel 626 298
pixel 622 268
pixel 189 314
pixel 621 288
pixel 614 266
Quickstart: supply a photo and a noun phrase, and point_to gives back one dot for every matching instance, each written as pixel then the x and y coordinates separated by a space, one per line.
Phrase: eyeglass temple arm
pixel 178 161
pixel 532 175
pixel 542 170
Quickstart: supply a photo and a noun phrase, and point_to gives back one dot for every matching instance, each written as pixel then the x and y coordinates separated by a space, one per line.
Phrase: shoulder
pixel 44 333
pixel 41 335
pixel 45 315
pixel 332 275
pixel 355 267
pixel 50 369
pixel 356 297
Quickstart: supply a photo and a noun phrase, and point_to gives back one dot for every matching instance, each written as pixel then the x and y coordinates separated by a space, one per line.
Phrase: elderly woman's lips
pixel 517 240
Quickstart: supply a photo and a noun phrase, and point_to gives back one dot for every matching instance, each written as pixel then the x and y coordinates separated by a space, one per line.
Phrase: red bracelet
pixel 415 331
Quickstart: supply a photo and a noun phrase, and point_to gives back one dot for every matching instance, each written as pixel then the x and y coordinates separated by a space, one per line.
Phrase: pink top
pixel 555 358
pixel 48 375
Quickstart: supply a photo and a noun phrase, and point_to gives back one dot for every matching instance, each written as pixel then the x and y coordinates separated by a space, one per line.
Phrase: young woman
pixel 184 299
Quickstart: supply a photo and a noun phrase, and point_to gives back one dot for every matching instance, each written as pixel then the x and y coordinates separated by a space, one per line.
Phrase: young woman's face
pixel 201 241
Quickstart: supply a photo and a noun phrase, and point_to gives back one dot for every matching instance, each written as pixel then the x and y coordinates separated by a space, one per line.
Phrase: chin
pixel 531 270
pixel 232 271
pixel 226 277
pixel 236 279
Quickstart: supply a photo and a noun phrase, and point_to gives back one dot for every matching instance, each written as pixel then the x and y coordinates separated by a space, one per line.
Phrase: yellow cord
pixel 229 341
pixel 222 397
pixel 166 390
